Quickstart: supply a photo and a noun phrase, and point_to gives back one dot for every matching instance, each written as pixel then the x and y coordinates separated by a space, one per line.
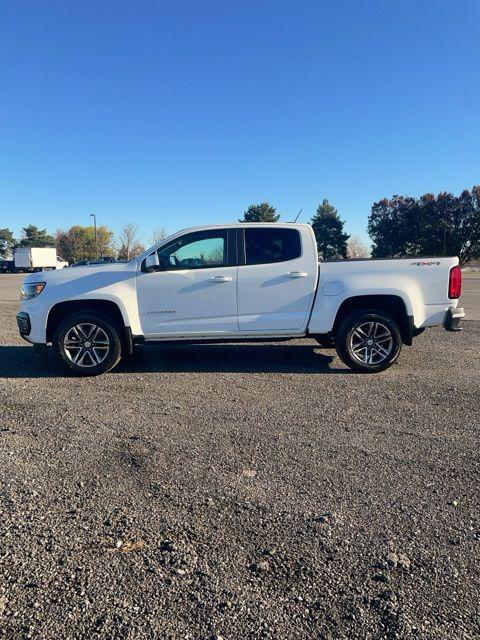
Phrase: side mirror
pixel 152 263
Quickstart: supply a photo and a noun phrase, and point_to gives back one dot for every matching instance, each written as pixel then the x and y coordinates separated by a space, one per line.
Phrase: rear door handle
pixel 296 274
pixel 221 279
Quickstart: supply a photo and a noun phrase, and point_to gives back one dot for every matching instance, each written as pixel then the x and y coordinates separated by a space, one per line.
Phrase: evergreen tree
pixel 7 242
pixel 35 237
pixel 263 212
pixel 332 242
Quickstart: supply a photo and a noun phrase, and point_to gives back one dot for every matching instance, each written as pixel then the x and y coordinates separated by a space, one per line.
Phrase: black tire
pixel 96 359
pixel 326 341
pixel 369 353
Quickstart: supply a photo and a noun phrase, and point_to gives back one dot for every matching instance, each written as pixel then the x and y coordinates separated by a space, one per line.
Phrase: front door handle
pixel 296 274
pixel 221 279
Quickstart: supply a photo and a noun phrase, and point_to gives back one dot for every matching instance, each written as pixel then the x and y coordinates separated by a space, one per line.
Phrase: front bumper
pixel 24 324
pixel 453 318
pixel 36 313
pixel 25 328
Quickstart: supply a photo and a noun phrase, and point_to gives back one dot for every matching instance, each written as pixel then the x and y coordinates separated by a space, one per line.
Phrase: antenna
pixel 298 215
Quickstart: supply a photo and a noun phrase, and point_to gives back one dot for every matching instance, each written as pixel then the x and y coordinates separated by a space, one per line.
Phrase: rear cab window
pixel 268 245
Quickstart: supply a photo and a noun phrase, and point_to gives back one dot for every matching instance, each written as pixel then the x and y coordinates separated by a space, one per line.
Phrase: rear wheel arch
pixel 393 305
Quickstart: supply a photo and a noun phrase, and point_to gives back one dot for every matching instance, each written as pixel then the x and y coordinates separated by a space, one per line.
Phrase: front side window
pixel 271 245
pixel 199 250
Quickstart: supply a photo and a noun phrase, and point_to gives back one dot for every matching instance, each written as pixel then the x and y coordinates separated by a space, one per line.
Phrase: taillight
pixel 455 283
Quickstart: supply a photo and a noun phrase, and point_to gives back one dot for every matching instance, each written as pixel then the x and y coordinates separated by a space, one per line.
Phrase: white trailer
pixel 37 259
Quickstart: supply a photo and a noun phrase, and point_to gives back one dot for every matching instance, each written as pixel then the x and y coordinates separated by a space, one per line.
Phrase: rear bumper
pixel 453 318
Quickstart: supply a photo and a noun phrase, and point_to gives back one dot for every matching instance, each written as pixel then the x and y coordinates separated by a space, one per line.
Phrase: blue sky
pixel 171 114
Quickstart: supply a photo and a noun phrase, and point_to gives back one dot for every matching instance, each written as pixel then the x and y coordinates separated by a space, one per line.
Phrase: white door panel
pixel 269 298
pixel 276 296
pixel 193 289
pixel 196 301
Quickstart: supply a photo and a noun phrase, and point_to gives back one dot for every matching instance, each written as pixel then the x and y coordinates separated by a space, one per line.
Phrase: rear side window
pixel 271 245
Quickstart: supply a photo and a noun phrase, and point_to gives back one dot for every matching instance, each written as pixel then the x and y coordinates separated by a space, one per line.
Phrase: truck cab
pixel 229 281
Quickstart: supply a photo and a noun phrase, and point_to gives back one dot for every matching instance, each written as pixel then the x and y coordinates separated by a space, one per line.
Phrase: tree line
pixel 441 225
pixel 401 226
pixel 79 242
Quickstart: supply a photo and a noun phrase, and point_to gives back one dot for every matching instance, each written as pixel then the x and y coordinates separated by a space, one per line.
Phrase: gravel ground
pixel 244 491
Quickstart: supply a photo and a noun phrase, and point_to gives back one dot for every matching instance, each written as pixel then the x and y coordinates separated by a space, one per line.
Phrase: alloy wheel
pixel 371 342
pixel 86 344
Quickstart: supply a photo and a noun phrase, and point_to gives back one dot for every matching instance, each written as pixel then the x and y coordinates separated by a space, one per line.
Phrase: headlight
pixel 31 290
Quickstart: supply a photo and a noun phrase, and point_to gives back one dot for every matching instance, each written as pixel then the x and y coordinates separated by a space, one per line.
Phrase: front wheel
pixel 368 341
pixel 87 343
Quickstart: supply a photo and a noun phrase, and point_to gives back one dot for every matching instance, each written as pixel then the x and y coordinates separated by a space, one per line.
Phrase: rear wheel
pixel 369 341
pixel 87 343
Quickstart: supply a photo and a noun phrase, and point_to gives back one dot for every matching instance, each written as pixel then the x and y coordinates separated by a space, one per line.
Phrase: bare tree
pixel 216 256
pixel 130 245
pixel 158 234
pixel 357 249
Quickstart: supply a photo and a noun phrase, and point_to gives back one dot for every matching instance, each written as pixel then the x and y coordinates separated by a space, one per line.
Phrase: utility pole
pixel 92 215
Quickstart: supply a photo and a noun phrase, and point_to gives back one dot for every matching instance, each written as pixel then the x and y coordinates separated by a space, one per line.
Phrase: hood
pixel 59 276
pixel 89 277
pixel 75 282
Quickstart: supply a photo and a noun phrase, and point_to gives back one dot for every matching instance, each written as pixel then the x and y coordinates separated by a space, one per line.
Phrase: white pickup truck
pixel 239 282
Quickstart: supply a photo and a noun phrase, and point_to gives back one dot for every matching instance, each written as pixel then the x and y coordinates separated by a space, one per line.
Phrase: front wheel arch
pixel 106 308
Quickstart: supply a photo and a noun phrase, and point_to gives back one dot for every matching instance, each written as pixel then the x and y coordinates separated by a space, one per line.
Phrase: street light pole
pixel 92 215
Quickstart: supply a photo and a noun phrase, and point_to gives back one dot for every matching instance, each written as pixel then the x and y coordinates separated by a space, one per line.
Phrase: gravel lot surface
pixel 241 492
